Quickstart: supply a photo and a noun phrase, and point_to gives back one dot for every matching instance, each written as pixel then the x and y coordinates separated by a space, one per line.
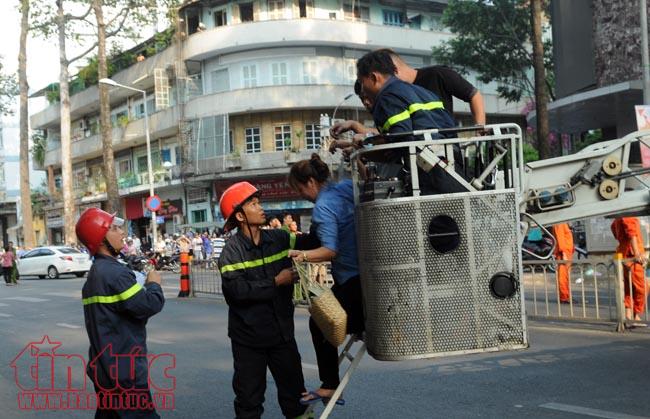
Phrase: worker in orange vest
pixel 627 230
pixel 563 251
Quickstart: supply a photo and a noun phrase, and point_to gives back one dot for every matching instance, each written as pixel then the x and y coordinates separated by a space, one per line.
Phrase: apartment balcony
pixel 87 101
pixel 309 32
pixel 163 123
pixel 303 96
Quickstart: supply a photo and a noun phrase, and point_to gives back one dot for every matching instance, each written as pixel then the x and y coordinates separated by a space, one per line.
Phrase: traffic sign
pixel 153 203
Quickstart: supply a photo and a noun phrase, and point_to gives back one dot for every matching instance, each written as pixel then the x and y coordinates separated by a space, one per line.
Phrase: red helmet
pixel 92 227
pixel 232 198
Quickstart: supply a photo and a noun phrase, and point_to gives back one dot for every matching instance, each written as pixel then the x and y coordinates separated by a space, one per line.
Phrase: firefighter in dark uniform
pixel 116 309
pixel 257 282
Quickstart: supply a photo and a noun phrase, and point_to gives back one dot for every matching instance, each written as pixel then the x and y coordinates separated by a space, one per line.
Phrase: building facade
pixel 240 94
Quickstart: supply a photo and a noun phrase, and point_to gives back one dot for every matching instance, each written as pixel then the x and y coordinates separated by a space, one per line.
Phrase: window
pixel 123 166
pixel 231 142
pixel 276 9
pixel 253 140
pixel 249 74
pixel 309 72
pixel 393 18
pixel 279 71
pixel 246 12
pixel 302 6
pixel 220 18
pixel 142 161
pixel 357 11
pixel 120 118
pixel 220 80
pixel 58 182
pixel 282 137
pixel 139 108
pixel 211 140
pixel 199 216
pixel 312 136
pixel 197 196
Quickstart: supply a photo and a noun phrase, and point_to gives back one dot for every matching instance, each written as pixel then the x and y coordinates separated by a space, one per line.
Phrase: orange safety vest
pixel 625 230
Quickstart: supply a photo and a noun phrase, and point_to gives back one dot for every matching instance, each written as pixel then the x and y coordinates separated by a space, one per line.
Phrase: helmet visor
pixel 117 221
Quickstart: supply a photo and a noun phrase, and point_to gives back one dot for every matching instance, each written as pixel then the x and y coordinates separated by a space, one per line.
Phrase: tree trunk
pixel 541 94
pixel 25 191
pixel 113 204
pixel 66 155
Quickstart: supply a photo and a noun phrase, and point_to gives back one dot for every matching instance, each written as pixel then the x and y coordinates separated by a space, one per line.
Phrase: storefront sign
pixel 169 208
pixel 272 189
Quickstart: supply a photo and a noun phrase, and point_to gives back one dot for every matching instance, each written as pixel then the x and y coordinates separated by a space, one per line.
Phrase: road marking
pixel 159 341
pixel 69 326
pixel 27 299
pixel 310 366
pixel 3 305
pixel 6 315
pixel 589 412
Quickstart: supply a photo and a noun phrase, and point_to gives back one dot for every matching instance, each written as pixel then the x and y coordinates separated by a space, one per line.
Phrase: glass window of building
pixel 141 161
pixel 231 142
pixel 309 72
pixel 276 9
pixel 212 136
pixel 220 18
pixel 282 137
pixel 199 216
pixel 249 74
pixel 312 136
pixel 305 7
pixel 356 11
pixel 123 166
pixel 279 73
pixel 253 140
pixel 246 12
pixel 393 18
pixel 220 80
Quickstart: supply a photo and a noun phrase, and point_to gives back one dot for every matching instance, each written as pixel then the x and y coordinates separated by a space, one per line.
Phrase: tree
pixel 8 91
pixel 115 25
pixel 494 38
pixel 541 97
pixel 25 190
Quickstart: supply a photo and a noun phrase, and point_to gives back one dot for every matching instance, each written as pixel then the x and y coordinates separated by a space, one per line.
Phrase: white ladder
pixel 354 363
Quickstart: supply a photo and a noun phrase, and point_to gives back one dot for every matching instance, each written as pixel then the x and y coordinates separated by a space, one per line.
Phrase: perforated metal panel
pixel 420 303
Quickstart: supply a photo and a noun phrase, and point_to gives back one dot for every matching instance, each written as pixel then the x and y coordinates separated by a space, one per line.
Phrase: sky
pixel 42 69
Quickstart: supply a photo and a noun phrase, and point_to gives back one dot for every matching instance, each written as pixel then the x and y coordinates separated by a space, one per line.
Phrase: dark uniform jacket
pixel 260 314
pixel 116 309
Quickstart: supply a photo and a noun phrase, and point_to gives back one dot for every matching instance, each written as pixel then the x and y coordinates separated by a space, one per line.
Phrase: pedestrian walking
pixel 8 260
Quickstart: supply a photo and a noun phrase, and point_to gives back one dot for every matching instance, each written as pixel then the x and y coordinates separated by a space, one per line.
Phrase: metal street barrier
pixel 596 288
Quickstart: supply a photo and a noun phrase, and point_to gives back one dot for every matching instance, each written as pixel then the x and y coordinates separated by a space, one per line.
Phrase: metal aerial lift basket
pixel 442 274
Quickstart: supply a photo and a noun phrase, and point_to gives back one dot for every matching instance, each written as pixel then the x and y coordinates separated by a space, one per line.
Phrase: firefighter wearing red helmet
pixel 257 283
pixel 116 309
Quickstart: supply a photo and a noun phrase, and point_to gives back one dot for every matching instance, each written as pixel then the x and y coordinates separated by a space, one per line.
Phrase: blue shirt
pixel 333 218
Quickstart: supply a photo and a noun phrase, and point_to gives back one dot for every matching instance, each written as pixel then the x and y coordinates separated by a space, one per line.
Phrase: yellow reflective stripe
pixel 255 263
pixel 414 107
pixel 108 299
pixel 425 106
pixel 292 240
pixel 395 119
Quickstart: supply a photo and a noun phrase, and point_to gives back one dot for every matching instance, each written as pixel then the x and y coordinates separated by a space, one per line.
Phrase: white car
pixel 51 261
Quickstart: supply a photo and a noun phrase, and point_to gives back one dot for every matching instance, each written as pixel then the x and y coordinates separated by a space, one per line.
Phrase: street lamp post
pixel 111 82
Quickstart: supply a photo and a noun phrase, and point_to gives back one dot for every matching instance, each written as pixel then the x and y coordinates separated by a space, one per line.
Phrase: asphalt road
pixel 570 371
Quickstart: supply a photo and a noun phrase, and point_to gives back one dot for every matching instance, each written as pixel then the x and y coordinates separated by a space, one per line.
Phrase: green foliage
pixel 39 200
pixel 493 39
pixel 530 153
pixel 590 138
pixel 8 90
pixel 38 148
pixel 53 93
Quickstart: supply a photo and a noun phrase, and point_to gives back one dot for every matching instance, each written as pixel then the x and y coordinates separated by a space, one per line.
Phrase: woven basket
pixel 325 309
pixel 330 317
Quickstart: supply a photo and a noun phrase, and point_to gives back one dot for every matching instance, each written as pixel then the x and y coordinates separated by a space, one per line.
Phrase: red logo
pixel 50 380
